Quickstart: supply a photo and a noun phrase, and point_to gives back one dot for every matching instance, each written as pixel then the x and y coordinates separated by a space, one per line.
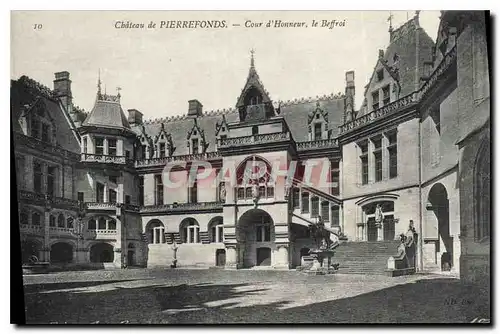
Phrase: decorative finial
pixel 118 89
pixel 252 51
pixel 417 13
pixel 389 19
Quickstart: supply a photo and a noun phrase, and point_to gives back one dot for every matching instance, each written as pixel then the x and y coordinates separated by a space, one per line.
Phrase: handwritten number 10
pixel 37 26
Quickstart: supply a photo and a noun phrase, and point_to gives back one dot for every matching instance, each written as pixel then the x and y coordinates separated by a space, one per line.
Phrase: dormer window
pixel 85 145
pixel 375 100
pixel 386 91
pixel 35 128
pixel 195 146
pixel 317 116
pixel 317 131
pixel 111 146
pixel 143 151
pixel 162 150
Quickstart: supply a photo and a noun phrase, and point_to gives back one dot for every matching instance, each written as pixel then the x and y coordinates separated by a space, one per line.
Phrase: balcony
pixel 101 234
pixel 32 229
pixel 47 200
pixel 187 158
pixel 182 207
pixel 254 140
pixel 317 144
pixel 61 231
pixel 109 159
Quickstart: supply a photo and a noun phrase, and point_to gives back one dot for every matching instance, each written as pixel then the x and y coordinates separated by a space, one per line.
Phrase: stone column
pixel 106 192
pixel 120 232
pixel 46 236
pixel 380 232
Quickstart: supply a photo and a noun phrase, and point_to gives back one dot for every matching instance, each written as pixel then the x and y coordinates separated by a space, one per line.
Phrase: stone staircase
pixel 364 257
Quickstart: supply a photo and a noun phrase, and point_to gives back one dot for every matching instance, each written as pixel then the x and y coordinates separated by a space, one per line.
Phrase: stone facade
pixel 128 194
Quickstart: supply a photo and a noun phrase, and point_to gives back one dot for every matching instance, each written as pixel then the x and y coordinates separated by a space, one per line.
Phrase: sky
pixel 159 70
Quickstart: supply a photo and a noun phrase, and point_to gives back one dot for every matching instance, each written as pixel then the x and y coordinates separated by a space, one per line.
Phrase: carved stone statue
pixel 222 192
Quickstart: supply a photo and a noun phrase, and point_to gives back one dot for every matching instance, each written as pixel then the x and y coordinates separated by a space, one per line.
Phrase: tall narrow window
pixel 162 150
pixel 305 202
pixel 380 74
pixel 45 132
pixel 317 131
pixel 335 179
pixel 314 206
pixel 112 196
pixel 364 162
pixel 80 196
pixel 127 199
pixel 296 198
pixel 84 144
pixel 99 146
pixel 335 215
pixel 159 190
pixel 195 148
pixel 51 175
pixel 60 221
pixel 101 224
pixel 52 221
pixel 392 149
pixel 36 219
pixel 37 179
pixel 386 92
pixel 325 211
pixel 35 128
pixel 143 152
pixel 375 100
pixel 111 146
pixel 99 192
pixel 377 154
pixel 193 193
pixel 141 190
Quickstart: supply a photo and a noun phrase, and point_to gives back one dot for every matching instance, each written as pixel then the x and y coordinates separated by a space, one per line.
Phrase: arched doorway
pixel 30 251
pixel 438 200
pixel 61 252
pixel 101 252
pixel 155 232
pixel 384 229
pixel 256 236
pixel 220 257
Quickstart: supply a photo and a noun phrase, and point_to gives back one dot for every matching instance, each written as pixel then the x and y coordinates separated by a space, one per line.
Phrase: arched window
pixel 60 220
pixel 69 222
pixel 254 172
pixel 216 230
pixel 253 97
pixel 52 221
pixel 190 231
pixel 155 232
pixel 388 221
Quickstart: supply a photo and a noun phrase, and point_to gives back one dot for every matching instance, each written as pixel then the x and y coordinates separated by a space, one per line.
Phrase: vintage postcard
pixel 185 167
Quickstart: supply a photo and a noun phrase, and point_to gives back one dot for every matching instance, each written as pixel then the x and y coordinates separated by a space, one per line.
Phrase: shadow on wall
pixel 425 301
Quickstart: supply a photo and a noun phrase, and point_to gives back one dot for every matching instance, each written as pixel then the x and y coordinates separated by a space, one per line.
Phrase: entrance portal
pixel 61 252
pixel 438 198
pixel 101 252
pixel 263 256
pixel 372 229
pixel 220 257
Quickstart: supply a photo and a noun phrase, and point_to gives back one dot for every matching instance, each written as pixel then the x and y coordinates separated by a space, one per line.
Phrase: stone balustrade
pixel 187 158
pixel 181 207
pixel 102 158
pixel 317 144
pixel 254 139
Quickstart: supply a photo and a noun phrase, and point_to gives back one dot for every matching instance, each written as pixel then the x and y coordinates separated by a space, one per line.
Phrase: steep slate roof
pixel 107 112
pixel 295 113
pixel 403 42
pixel 25 93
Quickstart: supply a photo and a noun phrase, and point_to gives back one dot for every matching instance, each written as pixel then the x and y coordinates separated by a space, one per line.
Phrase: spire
pixel 252 65
pixel 99 83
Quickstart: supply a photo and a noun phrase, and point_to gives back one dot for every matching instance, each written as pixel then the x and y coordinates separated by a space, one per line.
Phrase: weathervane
pixel 389 19
pixel 252 51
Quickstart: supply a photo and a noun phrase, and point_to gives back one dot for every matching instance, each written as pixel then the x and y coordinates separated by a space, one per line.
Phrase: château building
pixel 95 189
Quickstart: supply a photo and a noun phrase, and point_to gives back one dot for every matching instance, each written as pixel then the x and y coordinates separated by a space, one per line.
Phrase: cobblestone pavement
pixel 247 296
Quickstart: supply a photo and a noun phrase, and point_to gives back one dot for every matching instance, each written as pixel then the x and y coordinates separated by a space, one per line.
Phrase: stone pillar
pixel 106 192
pixel 231 257
pixel 120 232
pixel 281 260
pixel 46 235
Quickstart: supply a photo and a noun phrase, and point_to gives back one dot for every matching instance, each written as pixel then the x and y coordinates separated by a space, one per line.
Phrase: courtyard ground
pixel 173 296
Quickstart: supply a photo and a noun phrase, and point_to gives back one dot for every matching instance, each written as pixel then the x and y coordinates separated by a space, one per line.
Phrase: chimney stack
pixel 349 96
pixel 62 90
pixel 134 117
pixel 195 108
